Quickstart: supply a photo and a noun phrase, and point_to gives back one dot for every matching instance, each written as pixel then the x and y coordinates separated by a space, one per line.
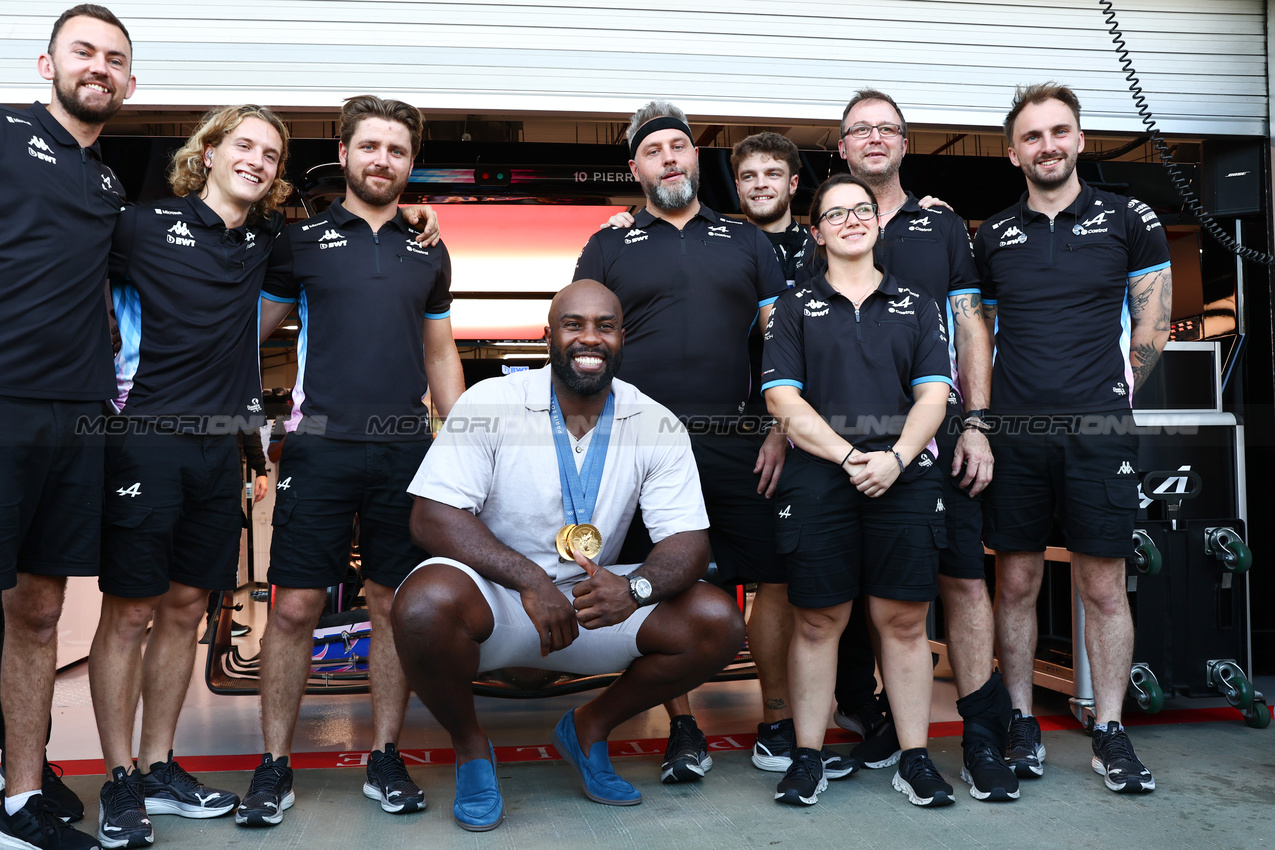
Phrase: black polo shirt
pixel 690 298
pixel 185 290
pixel 795 249
pixel 58 206
pixel 363 298
pixel 1060 289
pixel 857 368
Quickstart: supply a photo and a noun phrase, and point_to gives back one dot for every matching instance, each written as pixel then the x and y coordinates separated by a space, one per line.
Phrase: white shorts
pixel 514 641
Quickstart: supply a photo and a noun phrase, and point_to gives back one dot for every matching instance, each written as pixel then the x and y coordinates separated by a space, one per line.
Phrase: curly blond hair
pixel 188 174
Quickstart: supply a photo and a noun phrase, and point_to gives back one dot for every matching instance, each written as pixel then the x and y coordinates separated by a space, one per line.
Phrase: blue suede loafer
pixel 601 784
pixel 478 806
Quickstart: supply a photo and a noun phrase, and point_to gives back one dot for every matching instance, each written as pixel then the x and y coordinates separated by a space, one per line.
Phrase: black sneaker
pixel 1025 754
pixel 61 802
pixel 121 812
pixel 919 779
pixel 804 780
pixel 269 794
pixel 238 629
pixel 170 790
pixel 687 758
pixel 34 826
pixel 775 743
pixel 389 782
pixel 880 749
pixel 837 765
pixel 1113 757
pixel 861 721
pixel 990 778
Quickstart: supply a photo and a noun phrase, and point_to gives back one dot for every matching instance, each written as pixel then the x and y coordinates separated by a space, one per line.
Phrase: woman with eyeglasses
pixel 856 371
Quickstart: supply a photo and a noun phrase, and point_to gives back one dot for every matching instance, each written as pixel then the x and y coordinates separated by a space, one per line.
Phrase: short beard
pixel 876 179
pixel 779 210
pixel 585 386
pixel 357 184
pixel 1058 180
pixel 80 111
pixel 672 200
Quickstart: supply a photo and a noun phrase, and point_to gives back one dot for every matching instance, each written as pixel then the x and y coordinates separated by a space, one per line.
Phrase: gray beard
pixel 672 200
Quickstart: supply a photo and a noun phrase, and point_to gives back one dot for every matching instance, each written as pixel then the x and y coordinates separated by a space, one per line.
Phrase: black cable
pixel 1180 183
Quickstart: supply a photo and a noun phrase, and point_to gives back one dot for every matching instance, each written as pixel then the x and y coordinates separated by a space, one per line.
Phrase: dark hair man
pixel 186 276
pixel 930 248
pixel 572 443
pixel 371 300
pixel 55 375
pixel 1068 249
pixel 692 284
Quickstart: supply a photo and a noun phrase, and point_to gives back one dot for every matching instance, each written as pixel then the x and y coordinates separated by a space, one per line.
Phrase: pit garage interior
pixel 527 104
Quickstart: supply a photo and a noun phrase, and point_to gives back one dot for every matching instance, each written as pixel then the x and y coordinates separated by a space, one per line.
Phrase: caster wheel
pixel 1258 715
pixel 1238 557
pixel 1239 692
pixel 1147 558
pixel 1150 696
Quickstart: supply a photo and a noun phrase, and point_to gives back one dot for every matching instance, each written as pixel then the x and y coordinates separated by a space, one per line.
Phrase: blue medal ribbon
pixel 580 488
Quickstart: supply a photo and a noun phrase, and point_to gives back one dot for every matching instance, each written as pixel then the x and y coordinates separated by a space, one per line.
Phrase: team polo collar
pixel 57 131
pixel 826 292
pixel 343 218
pixel 1082 202
pixel 199 209
pixel 645 218
pixel 910 204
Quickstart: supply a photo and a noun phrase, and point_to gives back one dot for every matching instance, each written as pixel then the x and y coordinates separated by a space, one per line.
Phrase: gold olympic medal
pixel 561 544
pixel 585 539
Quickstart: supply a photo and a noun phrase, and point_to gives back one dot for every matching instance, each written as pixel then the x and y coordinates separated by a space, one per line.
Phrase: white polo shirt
pixel 495 458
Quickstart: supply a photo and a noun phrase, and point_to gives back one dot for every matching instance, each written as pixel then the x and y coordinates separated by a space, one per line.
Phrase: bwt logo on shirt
pixel 179 234
pixel 635 235
pixel 814 308
pixel 1013 236
pixel 331 239
pixel 40 149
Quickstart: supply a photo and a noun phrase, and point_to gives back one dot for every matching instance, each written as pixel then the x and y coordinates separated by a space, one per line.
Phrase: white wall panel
pixel 950 62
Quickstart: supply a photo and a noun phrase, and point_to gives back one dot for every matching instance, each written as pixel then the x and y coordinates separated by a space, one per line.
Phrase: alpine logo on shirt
pixel 40 149
pixel 921 225
pixel 331 239
pixel 179 234
pixel 414 247
pixel 903 306
pixel 1094 224
pixel 720 230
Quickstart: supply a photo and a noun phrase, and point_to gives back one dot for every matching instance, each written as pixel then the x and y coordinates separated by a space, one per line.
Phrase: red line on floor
pixel 642 747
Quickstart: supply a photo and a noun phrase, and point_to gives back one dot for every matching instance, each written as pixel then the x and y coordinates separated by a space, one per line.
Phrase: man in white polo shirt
pixel 525 499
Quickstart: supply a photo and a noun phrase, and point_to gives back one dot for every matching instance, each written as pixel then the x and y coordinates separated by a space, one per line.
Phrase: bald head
pixel 588 296
pixel 585 337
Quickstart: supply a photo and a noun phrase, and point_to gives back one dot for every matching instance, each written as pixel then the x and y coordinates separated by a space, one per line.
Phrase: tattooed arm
pixel 1150 306
pixel 973 455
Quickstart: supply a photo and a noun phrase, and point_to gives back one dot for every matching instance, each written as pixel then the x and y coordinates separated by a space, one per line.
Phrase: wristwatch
pixel 640 589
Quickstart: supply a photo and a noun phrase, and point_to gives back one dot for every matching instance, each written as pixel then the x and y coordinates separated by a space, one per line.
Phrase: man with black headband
pixel 692 284
pixel 568 442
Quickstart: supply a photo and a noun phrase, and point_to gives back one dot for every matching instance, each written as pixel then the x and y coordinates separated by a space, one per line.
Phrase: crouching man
pixel 525 499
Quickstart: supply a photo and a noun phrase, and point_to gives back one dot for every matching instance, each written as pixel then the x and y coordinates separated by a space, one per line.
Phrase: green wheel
pixel 1150 695
pixel 1240 692
pixel 1147 558
pixel 1239 557
pixel 1258 715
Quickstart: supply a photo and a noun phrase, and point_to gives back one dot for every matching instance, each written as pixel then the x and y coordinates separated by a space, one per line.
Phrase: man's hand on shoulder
pixel 603 599
pixel 618 221
pixel 424 219
pixel 552 615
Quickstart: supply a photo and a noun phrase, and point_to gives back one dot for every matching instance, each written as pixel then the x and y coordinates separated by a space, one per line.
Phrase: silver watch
pixel 640 589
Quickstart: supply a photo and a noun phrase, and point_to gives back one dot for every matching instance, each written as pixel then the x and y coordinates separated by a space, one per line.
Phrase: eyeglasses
pixel 863 131
pixel 837 215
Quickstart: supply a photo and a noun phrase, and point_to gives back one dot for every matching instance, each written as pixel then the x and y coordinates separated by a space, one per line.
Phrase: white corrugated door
pixel 953 62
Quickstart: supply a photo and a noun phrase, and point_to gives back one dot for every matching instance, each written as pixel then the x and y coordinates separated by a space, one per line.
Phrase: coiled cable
pixel 1180 183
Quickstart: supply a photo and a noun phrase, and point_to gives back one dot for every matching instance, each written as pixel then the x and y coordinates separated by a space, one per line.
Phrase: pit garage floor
pixel 1215 780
